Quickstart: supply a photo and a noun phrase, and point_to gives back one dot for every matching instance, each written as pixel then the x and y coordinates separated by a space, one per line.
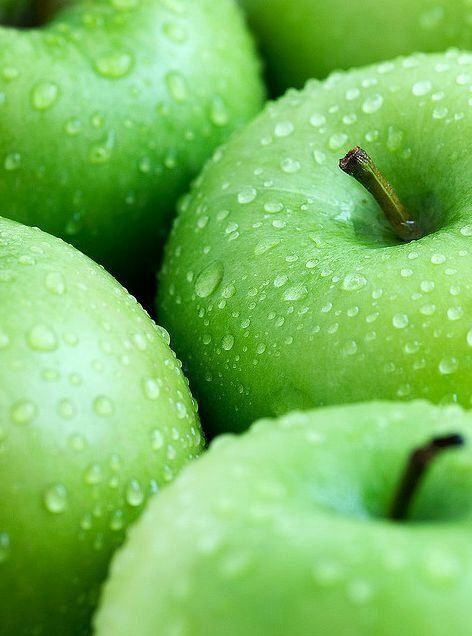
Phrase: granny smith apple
pixel 109 109
pixel 301 39
pixel 291 529
pixel 284 284
pixel 95 416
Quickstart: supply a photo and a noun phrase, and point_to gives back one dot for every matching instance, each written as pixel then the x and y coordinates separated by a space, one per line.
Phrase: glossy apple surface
pixel 301 39
pixel 109 109
pixel 285 530
pixel 298 293
pixel 95 416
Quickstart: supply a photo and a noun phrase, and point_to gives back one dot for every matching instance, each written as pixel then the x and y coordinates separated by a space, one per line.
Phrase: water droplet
pixel 227 342
pixel 359 592
pixel 55 283
pixel 297 292
pixel 117 521
pixel 247 195
pixel 337 140
pixel 283 129
pixel 5 547
pixel 175 32
pixel 44 95
pixel 421 88
pixel 372 104
pixel 400 321
pixel 55 498
pixel 103 406
pixel 466 230
pixel 23 412
pixel 66 409
pixel 12 162
pixel 219 112
pixel 265 245
pixel 157 439
pixel 42 338
pixel 317 120
pixel 177 86
pixel 4 340
pixel 115 65
pixel 93 475
pixel 448 365
pixel 438 259
pixel 290 166
pixel 353 282
pixel 181 410
pixel 134 493
pixel 209 279
pixel 455 313
pixel 151 388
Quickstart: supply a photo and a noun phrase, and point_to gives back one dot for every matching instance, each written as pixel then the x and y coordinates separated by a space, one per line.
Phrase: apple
pixel 95 416
pixel 108 110
pixel 291 529
pixel 301 39
pixel 283 284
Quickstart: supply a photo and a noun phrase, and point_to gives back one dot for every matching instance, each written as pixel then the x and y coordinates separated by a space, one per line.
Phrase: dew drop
pixel 12 162
pixel 103 406
pixel 283 129
pixel 400 321
pixel 55 499
pixel 372 104
pixel 209 279
pixel 23 412
pixel 448 365
pixel 151 388
pixel 297 292
pixel 177 86
pixel 42 338
pixel 44 95
pixel 55 283
pixel 227 342
pixel 353 282
pixel 5 547
pixel 134 493
pixel 114 65
pixel 247 195
pixel 421 88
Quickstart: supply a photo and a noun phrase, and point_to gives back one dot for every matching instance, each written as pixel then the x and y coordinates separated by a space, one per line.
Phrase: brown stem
pixel 419 462
pixel 358 164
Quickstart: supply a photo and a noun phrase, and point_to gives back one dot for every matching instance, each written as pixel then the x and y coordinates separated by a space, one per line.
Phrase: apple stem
pixel 418 463
pixel 358 164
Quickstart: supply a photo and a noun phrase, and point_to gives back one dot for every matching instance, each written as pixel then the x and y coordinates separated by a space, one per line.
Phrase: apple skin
pixel 298 294
pixel 110 109
pixel 284 531
pixel 301 39
pixel 95 416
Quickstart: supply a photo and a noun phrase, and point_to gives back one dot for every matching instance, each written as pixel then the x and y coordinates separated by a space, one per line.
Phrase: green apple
pixel 301 39
pixel 95 416
pixel 283 285
pixel 107 112
pixel 288 530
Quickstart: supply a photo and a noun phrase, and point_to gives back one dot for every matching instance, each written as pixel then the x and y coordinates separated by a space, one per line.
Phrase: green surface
pixel 284 532
pixel 95 416
pixel 110 109
pixel 299 294
pixel 301 39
